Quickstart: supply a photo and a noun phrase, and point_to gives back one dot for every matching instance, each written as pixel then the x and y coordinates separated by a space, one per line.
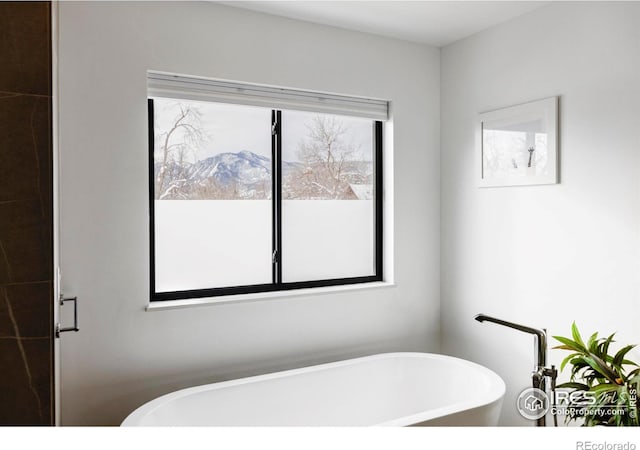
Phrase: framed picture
pixel 519 144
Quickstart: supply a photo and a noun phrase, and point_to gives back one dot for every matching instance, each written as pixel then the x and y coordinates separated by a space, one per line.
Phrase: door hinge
pixel 274 256
pixel 274 128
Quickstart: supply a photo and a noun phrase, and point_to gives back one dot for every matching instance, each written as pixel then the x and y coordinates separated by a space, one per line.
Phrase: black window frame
pixel 276 201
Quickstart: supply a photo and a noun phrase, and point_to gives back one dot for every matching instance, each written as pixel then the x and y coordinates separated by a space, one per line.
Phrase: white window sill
pixel 223 300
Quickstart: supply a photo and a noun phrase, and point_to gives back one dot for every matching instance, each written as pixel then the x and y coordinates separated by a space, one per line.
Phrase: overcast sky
pixel 233 128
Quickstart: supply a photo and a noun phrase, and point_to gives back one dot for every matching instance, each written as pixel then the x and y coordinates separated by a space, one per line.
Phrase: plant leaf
pixel 562 347
pixel 634 372
pixel 576 335
pixel 573 385
pixel 617 360
pixel 571 344
pixel 605 344
pixel 601 367
pixel 592 343
pixel 566 360
pixel 605 387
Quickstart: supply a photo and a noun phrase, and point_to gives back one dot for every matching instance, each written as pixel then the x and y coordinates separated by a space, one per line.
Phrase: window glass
pixel 328 221
pixel 212 191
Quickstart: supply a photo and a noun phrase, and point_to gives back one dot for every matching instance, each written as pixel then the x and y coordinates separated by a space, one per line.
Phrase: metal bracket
pixel 59 328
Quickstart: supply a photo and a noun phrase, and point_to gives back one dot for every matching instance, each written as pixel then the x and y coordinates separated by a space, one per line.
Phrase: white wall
pixel 124 356
pixel 545 255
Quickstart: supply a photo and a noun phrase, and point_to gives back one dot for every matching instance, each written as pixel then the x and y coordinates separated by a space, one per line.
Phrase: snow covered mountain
pixel 244 167
pixel 243 174
pixel 246 175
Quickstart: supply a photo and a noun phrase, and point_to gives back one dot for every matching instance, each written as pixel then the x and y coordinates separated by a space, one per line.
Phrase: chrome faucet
pixel 541 371
pixel 541 336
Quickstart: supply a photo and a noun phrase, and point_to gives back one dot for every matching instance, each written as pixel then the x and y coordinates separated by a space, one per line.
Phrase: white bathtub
pixel 392 389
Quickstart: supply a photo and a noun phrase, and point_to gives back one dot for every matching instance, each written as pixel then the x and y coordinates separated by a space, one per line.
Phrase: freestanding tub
pixel 389 389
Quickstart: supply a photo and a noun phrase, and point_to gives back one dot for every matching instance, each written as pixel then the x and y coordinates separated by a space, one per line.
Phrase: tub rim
pixel 494 394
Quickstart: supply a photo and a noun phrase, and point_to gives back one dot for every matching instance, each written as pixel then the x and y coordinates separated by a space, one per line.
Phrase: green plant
pixel 608 384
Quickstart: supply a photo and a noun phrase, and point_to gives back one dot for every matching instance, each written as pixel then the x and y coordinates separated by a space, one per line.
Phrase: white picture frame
pixel 518 145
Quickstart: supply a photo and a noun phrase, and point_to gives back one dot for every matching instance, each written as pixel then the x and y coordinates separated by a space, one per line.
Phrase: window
pixel 246 197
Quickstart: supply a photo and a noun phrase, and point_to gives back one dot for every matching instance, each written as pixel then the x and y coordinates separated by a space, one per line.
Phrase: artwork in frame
pixel 519 144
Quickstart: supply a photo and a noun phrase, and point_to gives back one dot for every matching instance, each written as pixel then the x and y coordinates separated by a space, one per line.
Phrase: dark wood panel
pixel 24 385
pixel 26 209
pixel 25 148
pixel 25 47
pixel 27 302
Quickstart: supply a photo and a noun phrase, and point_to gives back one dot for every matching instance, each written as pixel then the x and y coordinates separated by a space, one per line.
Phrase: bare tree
pixel 326 156
pixel 184 137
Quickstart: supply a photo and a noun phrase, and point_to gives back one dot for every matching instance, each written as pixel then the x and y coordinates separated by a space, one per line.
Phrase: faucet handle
pixel 550 372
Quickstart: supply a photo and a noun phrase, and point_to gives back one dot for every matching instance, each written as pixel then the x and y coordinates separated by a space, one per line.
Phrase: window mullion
pixel 276 195
pixel 279 194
